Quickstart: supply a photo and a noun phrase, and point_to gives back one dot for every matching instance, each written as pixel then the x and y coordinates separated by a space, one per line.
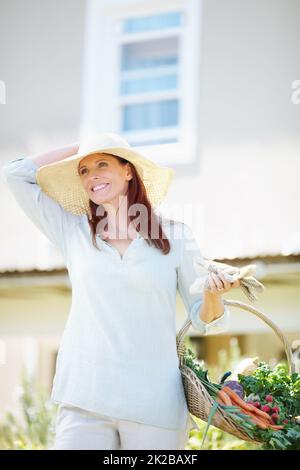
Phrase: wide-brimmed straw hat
pixel 61 181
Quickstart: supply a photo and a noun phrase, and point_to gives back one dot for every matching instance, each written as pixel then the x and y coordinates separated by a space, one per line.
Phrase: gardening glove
pixel 249 285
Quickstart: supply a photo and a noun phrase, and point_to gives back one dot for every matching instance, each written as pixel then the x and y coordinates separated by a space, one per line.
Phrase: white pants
pixel 78 429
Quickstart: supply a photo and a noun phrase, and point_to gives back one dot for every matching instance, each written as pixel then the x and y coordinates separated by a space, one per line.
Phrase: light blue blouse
pixel 118 354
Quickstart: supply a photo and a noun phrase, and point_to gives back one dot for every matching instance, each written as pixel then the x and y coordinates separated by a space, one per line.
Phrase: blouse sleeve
pixel 186 275
pixel 45 213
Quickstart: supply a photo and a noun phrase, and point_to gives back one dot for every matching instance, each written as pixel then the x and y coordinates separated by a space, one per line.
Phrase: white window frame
pixel 101 78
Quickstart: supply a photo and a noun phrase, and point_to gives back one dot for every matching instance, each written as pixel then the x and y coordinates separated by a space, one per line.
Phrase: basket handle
pixel 181 349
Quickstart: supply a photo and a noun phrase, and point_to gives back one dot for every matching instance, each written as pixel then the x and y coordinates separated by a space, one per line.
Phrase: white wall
pixel 41 46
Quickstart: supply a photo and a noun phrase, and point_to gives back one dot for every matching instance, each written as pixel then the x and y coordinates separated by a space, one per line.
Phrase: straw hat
pixel 61 181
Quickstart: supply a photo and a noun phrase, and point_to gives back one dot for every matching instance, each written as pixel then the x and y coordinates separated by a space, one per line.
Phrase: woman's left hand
pixel 218 283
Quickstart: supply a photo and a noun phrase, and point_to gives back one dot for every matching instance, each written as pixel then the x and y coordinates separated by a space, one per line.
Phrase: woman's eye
pixel 84 169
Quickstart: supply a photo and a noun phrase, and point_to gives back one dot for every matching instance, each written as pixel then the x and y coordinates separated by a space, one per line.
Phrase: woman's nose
pixel 93 175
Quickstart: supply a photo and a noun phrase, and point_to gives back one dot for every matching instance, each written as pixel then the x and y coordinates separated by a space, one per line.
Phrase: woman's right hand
pixel 55 155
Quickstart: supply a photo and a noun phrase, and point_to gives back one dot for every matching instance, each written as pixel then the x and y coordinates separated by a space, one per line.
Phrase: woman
pixel 117 380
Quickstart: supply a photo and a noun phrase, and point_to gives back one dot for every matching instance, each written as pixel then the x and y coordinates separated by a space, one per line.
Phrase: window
pixel 149 78
pixel 142 75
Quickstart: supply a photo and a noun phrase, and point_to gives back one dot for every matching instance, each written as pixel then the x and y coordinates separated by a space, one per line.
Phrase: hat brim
pixel 61 180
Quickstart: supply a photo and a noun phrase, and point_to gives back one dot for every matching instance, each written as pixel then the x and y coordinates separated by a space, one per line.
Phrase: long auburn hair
pixel 136 194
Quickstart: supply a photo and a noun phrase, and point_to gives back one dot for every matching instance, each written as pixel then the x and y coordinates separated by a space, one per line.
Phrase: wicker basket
pixel 199 401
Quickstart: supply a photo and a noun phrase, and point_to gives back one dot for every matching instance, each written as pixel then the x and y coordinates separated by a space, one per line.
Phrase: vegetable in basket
pixel 221 398
pixel 246 367
pixel 235 386
pixel 278 394
pixel 272 397
pixel 268 412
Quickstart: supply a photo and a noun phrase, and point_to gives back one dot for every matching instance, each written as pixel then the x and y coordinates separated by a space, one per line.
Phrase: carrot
pixel 262 422
pixel 260 418
pixel 276 427
pixel 234 396
pixel 218 399
pixel 224 397
pixel 259 422
pixel 261 414
pixel 255 418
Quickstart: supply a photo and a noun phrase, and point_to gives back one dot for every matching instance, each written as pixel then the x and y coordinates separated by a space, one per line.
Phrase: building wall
pixel 280 302
pixel 41 48
pixel 249 58
pixel 248 129
pixel 31 324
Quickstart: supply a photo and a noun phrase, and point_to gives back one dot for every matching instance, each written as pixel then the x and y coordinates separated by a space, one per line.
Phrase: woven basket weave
pixel 199 401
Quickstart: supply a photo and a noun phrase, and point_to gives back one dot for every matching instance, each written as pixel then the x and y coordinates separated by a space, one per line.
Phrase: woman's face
pixel 104 178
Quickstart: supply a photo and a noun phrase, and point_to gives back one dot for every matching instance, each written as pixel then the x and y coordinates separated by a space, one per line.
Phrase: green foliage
pixel 285 392
pixel 284 388
pixel 209 421
pixel 35 429
pixel 276 382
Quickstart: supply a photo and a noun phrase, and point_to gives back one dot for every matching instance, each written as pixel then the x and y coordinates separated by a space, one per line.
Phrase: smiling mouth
pixel 100 187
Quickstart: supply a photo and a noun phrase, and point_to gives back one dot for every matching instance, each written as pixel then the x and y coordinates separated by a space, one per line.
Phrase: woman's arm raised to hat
pixel 54 155
pixel 45 213
pixel 207 316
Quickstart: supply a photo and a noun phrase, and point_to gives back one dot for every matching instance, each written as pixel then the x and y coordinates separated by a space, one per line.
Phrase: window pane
pixel 142 85
pixel 150 115
pixel 149 54
pixel 153 22
pixel 153 141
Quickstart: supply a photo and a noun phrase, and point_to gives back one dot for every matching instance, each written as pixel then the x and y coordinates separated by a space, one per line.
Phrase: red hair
pixel 136 195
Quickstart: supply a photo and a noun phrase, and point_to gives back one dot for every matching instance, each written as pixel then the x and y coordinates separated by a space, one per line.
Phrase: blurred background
pixel 208 87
